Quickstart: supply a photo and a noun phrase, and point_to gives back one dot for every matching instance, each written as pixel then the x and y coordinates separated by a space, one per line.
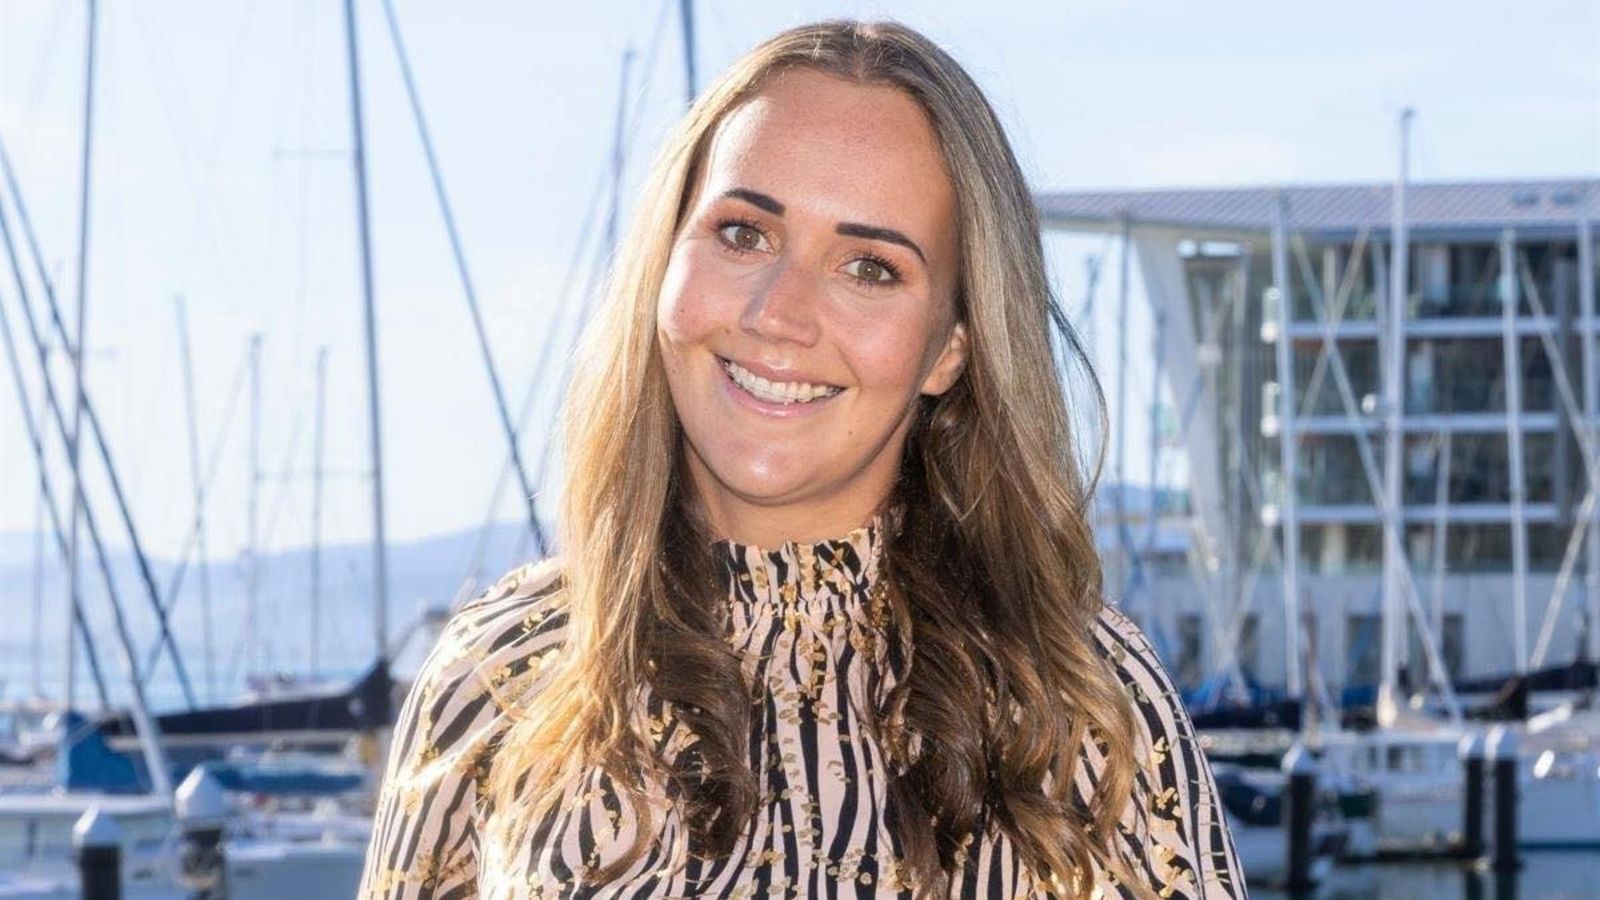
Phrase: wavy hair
pixel 993 573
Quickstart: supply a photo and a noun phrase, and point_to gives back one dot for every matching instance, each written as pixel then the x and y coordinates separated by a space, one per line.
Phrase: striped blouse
pixel 810 637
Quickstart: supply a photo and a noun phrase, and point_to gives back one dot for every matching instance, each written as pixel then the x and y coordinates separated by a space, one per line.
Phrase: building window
pixel 1250 645
pixel 1363 649
pixel 1460 284
pixel 1480 469
pixel 1331 472
pixel 1445 375
pixel 1430 278
pixel 1308 639
pixel 1341 547
pixel 1332 263
pixel 1486 547
pixel 1360 363
pixel 1191 649
pixel 1554 267
pixel 1452 647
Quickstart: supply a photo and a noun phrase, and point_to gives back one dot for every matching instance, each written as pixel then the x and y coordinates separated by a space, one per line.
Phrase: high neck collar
pixel 807 577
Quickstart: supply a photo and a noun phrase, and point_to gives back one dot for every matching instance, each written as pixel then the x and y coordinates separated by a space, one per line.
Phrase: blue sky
pixel 219 175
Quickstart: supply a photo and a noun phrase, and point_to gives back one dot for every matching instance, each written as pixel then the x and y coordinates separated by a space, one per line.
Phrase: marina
pixel 1345 504
pixel 1411 484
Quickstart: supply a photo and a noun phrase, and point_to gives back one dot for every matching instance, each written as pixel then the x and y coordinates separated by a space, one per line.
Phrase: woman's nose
pixel 784 305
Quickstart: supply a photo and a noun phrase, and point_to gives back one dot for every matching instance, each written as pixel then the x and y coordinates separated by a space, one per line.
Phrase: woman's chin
pixel 763 488
pixel 788 481
pixel 740 480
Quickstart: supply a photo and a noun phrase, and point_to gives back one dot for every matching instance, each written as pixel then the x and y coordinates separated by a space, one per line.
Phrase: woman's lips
pixel 775 390
pixel 774 398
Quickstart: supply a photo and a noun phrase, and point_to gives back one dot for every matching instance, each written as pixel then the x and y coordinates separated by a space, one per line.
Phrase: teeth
pixel 777 391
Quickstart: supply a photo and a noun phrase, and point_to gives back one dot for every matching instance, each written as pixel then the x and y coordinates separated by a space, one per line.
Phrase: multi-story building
pixel 1488 492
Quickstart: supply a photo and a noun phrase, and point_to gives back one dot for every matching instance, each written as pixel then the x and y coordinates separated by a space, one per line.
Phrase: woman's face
pixel 808 304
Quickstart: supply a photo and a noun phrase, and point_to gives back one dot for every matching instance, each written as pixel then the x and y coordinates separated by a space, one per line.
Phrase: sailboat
pixel 122 764
pixel 1252 802
pixel 1408 752
pixel 269 856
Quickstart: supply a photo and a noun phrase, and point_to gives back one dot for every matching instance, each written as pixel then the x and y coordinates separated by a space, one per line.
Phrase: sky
pixel 221 174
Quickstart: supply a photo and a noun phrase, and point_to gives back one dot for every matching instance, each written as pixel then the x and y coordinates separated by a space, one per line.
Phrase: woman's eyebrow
pixel 875 233
pixel 757 199
pixel 770 204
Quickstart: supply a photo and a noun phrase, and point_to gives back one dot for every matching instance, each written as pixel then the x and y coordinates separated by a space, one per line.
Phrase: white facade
pixel 1491 479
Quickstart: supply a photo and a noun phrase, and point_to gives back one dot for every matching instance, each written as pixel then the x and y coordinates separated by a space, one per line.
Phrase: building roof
pixel 1450 207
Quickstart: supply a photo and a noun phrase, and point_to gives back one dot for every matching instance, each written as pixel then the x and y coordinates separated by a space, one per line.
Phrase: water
pixel 1546 875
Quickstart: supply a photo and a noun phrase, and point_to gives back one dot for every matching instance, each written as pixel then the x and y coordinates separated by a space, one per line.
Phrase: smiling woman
pixel 828 616
pixel 800 317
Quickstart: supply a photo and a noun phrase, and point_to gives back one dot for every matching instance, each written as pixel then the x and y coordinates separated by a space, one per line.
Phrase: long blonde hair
pixel 992 565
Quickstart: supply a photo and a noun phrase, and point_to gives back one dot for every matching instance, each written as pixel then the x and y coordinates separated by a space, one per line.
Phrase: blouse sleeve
pixel 1175 835
pixel 424 831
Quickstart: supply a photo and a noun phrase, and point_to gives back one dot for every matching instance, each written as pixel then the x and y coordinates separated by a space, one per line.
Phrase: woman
pixel 828 617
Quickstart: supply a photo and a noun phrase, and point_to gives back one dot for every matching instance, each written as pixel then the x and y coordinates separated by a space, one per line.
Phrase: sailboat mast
pixel 458 252
pixel 38 574
pixel 198 480
pixel 1441 545
pixel 1289 504
pixel 1152 473
pixel 1124 550
pixel 145 725
pixel 1238 471
pixel 1591 415
pixel 50 412
pixel 1393 617
pixel 316 511
pixel 253 509
pixel 380 561
pixel 1511 348
pixel 74 444
pixel 90 420
pixel 686 16
pixel 618 157
pixel 149 737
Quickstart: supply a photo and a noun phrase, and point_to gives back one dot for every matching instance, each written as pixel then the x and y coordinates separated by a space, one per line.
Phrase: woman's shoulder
pixel 488 656
pixel 1138 666
pixel 1119 637
pixel 491 653
pixel 1185 841
pixel 524 605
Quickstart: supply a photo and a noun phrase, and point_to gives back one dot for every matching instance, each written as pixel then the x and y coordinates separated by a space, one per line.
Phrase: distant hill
pixel 423 574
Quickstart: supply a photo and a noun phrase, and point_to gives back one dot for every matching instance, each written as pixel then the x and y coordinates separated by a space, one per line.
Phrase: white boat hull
pixel 1264 856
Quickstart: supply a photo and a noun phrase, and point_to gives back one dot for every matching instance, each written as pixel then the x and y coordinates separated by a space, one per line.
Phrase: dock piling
pixel 97 846
pixel 1300 797
pixel 1473 769
pixel 202 812
pixel 1503 753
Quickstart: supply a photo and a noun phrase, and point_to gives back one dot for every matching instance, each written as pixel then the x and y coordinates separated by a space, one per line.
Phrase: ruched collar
pixel 805 578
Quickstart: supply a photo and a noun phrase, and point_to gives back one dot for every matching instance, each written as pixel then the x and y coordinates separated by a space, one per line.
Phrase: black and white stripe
pixel 815 655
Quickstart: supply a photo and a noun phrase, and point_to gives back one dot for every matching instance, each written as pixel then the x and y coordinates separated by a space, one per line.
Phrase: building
pixel 1488 492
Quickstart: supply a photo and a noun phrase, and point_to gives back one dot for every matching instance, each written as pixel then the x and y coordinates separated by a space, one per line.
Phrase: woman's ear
pixel 950 364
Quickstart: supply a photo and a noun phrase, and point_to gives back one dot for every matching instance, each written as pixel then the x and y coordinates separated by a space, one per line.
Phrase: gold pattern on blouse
pixel 810 622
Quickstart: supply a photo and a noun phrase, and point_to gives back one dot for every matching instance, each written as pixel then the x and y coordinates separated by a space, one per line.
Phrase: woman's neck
pixel 740 520
pixel 774 526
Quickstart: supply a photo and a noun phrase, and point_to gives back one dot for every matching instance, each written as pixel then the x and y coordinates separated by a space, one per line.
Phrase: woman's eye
pixel 741 236
pixel 871 271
